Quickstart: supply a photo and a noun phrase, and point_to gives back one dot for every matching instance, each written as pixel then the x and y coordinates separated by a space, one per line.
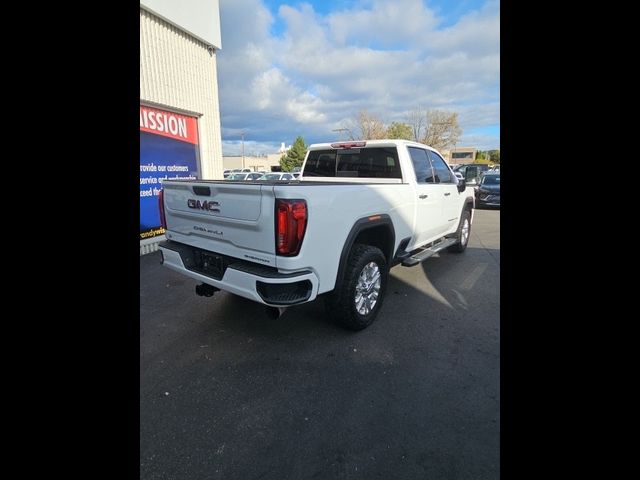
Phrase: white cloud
pixel 385 57
pixel 480 115
pixel 481 142
pixel 476 33
pixel 384 23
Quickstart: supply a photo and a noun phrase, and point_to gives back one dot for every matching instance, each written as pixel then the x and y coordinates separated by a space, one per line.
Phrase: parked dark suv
pixel 488 190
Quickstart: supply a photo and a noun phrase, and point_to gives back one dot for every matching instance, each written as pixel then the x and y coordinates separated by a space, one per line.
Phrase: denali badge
pixel 203 205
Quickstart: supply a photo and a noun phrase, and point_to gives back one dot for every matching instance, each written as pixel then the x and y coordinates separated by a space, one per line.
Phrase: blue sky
pixel 290 68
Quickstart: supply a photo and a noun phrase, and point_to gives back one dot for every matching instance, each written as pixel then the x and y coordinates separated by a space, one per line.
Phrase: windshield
pixel 491 180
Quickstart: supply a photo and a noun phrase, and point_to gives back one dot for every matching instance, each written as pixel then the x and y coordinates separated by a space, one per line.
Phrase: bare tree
pixel 347 129
pixel 416 119
pixel 437 128
pixel 442 129
pixel 369 126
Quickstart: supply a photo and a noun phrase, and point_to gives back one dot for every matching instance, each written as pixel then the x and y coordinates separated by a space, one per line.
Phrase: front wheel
pixel 463 233
pixel 356 302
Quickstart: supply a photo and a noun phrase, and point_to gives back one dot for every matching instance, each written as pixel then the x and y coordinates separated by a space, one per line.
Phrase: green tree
pixel 481 157
pixel 294 156
pixel 488 156
pixel 400 131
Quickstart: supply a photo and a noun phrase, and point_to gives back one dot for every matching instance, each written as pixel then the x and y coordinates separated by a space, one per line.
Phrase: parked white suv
pixel 277 176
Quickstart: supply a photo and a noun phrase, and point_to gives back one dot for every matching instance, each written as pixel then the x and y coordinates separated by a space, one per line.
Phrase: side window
pixel 421 165
pixel 443 174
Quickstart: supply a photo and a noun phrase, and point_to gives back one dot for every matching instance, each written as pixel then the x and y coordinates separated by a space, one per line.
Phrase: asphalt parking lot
pixel 228 393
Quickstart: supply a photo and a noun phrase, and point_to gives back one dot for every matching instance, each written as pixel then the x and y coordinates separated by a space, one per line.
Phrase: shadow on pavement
pixel 227 392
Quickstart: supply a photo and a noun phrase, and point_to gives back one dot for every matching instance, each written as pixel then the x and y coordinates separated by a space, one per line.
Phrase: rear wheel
pixel 356 302
pixel 463 233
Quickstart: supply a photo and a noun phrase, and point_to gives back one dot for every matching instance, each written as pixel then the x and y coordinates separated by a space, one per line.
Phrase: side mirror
pixel 462 185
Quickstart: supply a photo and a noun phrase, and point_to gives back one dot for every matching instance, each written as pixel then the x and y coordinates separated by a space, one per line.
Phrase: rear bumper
pixel 249 280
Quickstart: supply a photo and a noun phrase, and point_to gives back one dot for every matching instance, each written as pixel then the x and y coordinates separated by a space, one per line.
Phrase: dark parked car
pixel 488 190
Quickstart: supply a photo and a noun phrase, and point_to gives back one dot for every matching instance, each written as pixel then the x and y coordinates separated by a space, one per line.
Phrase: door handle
pixel 423 196
pixel 447 194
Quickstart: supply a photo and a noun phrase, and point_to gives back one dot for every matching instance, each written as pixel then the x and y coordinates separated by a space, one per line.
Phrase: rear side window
pixel 421 165
pixel 443 174
pixel 373 162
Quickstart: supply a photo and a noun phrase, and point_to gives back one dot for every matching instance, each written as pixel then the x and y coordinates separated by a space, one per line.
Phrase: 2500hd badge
pixel 202 229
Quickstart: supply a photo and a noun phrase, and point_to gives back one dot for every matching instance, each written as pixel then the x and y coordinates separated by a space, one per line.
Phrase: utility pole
pixel 242 136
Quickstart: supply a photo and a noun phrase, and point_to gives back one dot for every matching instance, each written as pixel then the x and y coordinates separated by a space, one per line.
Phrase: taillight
pixel 291 223
pixel 163 218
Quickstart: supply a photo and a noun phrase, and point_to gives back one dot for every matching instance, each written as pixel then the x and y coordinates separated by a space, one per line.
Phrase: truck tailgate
pixel 235 219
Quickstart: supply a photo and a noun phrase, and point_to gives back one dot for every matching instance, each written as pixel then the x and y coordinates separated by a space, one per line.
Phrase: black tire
pixel 341 302
pixel 461 245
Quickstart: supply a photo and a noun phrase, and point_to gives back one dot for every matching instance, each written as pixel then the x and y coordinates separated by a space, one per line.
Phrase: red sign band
pixel 169 124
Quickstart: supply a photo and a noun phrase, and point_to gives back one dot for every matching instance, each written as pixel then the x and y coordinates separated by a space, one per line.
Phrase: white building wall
pixel 262 163
pixel 177 71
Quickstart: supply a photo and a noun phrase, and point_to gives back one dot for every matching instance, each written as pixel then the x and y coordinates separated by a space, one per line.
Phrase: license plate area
pixel 208 263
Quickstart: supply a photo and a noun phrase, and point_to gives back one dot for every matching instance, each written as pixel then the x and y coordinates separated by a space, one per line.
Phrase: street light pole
pixel 242 136
pixel 343 130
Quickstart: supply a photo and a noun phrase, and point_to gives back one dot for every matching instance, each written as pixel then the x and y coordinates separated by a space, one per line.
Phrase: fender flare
pixel 358 227
pixel 470 204
pixel 467 201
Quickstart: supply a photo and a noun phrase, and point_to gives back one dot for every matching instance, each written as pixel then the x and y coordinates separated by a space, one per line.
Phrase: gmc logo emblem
pixel 203 205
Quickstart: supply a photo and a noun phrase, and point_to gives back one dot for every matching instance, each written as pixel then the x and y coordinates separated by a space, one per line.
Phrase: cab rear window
pixel 373 162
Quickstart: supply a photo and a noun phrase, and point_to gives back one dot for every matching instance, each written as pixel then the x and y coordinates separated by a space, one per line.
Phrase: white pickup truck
pixel 358 209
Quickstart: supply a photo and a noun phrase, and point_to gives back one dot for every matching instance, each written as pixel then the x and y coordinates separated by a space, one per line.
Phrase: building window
pixel 463 155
